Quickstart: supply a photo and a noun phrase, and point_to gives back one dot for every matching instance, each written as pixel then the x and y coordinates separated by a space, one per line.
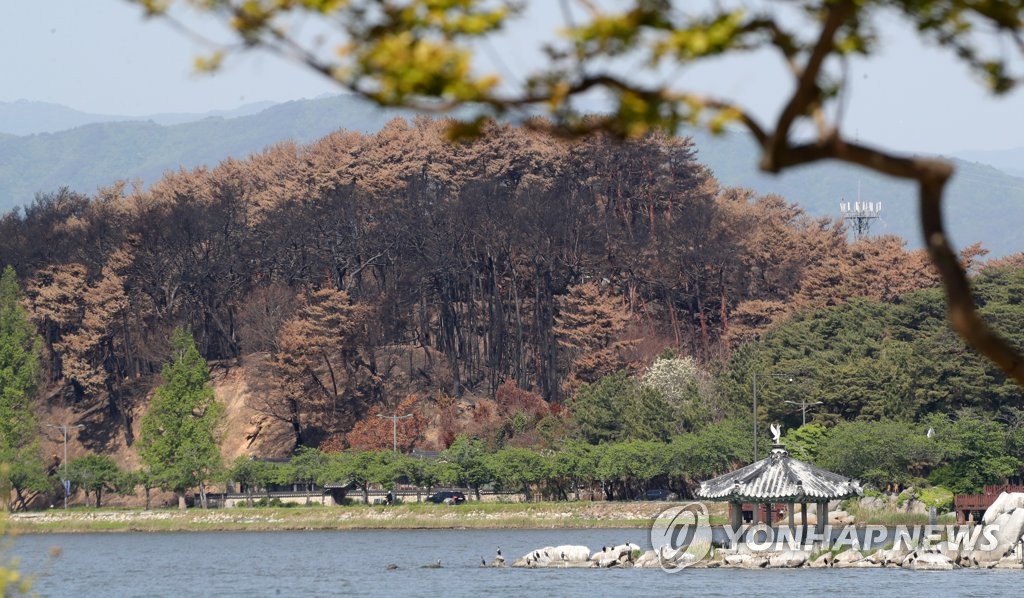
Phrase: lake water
pixel 343 563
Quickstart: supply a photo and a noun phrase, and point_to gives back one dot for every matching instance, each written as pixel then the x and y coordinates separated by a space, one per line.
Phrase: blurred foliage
pixel 421 51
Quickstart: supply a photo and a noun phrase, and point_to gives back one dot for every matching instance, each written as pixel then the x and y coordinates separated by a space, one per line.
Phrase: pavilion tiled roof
pixel 779 478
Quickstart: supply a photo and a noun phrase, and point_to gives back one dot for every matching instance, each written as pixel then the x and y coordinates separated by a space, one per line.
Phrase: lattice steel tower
pixel 861 213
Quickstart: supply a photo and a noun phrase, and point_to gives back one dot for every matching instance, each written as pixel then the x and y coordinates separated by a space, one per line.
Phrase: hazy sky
pixel 102 56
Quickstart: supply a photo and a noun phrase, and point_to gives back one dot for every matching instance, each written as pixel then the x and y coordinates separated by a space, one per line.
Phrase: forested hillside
pixel 363 259
pixel 517 290
pixel 888 360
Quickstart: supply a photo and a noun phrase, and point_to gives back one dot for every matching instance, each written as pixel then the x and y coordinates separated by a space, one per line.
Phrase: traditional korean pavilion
pixel 779 478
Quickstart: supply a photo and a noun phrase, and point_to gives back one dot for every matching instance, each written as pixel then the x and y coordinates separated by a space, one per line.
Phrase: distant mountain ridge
pixel 983 203
pixel 91 156
pixel 1010 161
pixel 25 117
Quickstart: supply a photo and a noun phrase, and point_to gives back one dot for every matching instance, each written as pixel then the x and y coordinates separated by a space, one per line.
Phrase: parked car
pixel 660 494
pixel 448 497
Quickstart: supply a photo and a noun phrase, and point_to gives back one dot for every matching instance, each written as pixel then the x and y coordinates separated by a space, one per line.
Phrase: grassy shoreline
pixel 473 515
pixel 414 516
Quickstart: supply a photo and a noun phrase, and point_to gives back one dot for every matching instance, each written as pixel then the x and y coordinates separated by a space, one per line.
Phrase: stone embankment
pixel 998 543
pixel 937 558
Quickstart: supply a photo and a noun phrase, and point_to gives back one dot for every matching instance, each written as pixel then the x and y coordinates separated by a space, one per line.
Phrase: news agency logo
pixel 681 536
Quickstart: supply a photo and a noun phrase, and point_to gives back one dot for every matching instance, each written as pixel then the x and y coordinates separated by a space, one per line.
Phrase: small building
pixel 779 479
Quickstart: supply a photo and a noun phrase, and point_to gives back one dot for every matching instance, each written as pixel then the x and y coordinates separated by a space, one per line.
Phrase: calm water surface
pixel 348 563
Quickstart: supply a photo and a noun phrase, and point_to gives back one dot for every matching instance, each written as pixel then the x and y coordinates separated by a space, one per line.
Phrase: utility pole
pixel 64 428
pixel 803 408
pixel 394 427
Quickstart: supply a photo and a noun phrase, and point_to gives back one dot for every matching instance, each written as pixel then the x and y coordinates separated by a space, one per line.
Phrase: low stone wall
pixel 375 497
pixel 378 498
pixel 234 500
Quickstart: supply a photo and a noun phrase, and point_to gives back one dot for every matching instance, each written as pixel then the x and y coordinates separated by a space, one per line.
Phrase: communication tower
pixel 861 213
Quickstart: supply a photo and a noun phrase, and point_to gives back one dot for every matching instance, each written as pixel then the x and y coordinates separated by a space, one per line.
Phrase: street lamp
pixel 803 407
pixel 394 427
pixel 788 377
pixel 64 428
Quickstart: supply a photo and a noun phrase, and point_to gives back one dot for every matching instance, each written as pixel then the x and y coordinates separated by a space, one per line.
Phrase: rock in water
pixel 848 558
pixel 928 561
pixel 790 559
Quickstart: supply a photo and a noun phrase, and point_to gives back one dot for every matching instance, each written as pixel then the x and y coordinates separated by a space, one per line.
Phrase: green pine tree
pixel 179 440
pixel 23 470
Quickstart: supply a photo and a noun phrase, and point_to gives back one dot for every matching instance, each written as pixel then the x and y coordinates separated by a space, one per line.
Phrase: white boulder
pixel 825 560
pixel 847 558
pixel 928 561
pixel 789 559
pixel 1006 529
pixel 571 553
pixel 1004 503
pixel 892 557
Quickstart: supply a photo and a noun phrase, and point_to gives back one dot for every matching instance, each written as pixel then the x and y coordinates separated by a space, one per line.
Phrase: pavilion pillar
pixel 736 515
pixel 736 518
pixel 803 523
pixel 790 507
pixel 819 526
pixel 768 514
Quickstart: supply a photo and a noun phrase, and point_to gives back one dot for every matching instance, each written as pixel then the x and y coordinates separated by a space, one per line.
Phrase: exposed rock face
pixel 915 506
pixel 248 429
pixel 873 503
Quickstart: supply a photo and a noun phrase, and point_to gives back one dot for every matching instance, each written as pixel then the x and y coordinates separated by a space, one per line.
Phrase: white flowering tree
pixel 684 385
